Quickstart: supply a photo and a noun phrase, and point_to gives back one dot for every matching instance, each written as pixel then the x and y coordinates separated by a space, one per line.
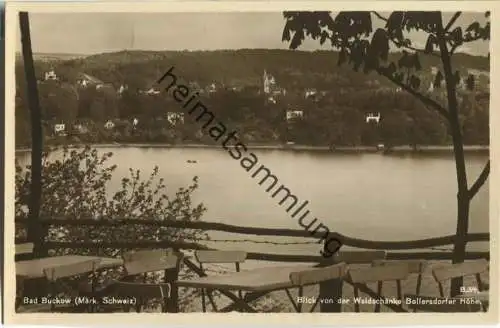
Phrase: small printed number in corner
pixel 468 289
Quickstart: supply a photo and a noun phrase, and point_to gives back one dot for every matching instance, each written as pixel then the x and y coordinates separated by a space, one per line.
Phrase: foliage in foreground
pixel 76 184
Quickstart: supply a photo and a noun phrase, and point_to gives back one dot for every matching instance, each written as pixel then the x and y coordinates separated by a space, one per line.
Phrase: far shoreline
pixel 339 149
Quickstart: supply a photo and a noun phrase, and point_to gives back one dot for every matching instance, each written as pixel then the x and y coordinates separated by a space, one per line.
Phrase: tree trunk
pixel 463 201
pixel 35 231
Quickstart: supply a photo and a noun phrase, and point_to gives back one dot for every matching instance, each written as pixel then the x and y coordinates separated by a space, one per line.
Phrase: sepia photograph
pixel 236 161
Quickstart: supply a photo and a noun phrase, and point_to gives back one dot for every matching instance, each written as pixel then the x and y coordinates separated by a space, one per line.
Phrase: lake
pixel 363 195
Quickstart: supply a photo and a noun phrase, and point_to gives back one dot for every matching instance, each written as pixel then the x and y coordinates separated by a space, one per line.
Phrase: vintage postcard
pixel 288 163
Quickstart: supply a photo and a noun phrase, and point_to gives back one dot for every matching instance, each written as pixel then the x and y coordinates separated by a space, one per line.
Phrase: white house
pixel 431 87
pixel 462 84
pixel 271 99
pixel 211 88
pixel 51 76
pixel 269 82
pixel 175 117
pixel 310 92
pixel 122 89
pixel 152 91
pixel 109 125
pixel 270 86
pixel 135 121
pixel 372 117
pixel 294 114
pixel 85 80
pixel 60 128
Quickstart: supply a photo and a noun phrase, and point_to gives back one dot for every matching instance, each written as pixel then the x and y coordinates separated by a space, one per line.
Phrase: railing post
pixel 331 291
pixel 171 276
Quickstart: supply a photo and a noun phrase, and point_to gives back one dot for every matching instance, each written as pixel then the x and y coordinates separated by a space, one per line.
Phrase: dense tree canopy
pixel 337 113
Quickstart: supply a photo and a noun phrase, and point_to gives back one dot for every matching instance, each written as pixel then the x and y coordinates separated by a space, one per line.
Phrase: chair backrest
pixel 138 262
pixel 69 270
pixel 358 257
pixel 460 270
pixel 414 266
pixel 380 273
pixel 315 276
pixel 140 290
pixel 440 304
pixel 203 256
pixel 26 248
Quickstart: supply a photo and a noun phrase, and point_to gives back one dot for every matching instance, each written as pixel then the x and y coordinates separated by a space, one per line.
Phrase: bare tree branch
pixel 452 20
pixel 480 181
pixel 427 101
pixel 379 16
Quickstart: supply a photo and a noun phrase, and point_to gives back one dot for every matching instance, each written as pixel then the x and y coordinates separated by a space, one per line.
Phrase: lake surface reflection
pixel 369 195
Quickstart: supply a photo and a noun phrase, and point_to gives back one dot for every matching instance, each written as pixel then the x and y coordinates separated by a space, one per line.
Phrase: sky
pixel 91 33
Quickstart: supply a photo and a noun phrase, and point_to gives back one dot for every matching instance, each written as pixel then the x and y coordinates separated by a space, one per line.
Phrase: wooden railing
pixel 215 226
pixel 396 250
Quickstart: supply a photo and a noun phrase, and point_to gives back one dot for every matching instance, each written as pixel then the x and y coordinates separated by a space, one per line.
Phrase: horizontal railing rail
pixel 251 255
pixel 216 226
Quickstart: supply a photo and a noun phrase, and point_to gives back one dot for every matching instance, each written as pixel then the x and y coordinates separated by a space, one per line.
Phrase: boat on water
pixel 191 161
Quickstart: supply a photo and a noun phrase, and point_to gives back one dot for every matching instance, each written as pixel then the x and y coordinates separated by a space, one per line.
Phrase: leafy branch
pixel 403 44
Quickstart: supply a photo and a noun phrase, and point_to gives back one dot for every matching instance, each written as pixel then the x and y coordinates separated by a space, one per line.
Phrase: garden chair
pixel 24 251
pixel 414 267
pixel 379 274
pixel 218 257
pixel 26 248
pixel 138 264
pixel 313 277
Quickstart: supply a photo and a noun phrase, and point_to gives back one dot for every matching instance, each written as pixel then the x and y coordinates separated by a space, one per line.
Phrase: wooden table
pixel 257 282
pixel 31 269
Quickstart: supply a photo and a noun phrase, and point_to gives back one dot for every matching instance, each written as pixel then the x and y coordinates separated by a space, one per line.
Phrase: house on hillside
pixel 212 88
pixel 60 129
pixel 270 86
pixel 431 87
pixel 372 117
pixel 122 89
pixel 85 80
pixel 51 76
pixel 135 122
pixel 109 125
pixel 175 117
pixel 294 114
pixel 152 91
pixel 310 92
pixel 271 100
